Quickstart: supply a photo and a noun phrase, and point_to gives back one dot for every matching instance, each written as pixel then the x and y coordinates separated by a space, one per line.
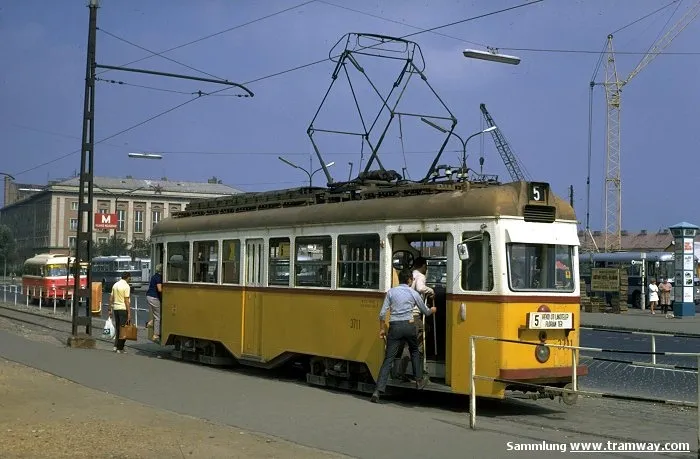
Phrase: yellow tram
pixel 263 279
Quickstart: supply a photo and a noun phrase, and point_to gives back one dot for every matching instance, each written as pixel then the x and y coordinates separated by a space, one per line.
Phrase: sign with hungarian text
pixel 605 279
pixel 105 221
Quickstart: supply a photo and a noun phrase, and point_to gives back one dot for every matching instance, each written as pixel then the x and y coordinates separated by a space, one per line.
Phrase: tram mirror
pixel 402 259
pixel 463 251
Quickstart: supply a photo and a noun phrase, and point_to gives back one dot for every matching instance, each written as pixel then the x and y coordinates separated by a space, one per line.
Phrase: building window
pixel 73 224
pixel 155 217
pixel 279 261
pixel 138 221
pixel 313 263
pixel 101 240
pixel 121 220
pixel 72 240
pixel 358 261
pixel 230 262
pixel 74 205
pixel 103 211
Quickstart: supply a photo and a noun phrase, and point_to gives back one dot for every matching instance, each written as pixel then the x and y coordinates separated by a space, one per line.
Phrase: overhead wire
pixel 159 55
pixel 206 37
pixel 376 16
pixel 473 18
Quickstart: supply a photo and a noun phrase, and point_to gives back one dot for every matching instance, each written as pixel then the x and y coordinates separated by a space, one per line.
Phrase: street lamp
pixel 491 55
pixel 310 174
pixel 145 156
pixel 464 142
pixel 8 175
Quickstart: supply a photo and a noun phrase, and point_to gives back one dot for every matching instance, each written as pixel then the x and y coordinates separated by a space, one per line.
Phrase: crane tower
pixel 613 91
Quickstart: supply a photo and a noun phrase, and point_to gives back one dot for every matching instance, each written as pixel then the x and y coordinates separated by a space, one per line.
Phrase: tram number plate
pixel 557 320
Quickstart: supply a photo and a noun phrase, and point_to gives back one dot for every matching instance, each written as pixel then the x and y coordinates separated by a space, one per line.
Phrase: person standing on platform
pixel 154 298
pixel 120 306
pixel 653 295
pixel 665 297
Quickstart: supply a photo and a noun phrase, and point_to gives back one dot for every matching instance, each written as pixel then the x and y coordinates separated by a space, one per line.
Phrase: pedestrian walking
pixel 399 301
pixel 120 307
pixel 154 298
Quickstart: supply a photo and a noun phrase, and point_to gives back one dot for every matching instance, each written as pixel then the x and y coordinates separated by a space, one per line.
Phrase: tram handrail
pixel 574 376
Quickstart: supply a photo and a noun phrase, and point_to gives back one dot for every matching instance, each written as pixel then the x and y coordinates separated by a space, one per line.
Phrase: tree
pixel 140 248
pixel 8 247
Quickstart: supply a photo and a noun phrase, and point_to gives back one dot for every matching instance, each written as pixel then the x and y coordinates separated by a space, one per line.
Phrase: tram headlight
pixel 542 353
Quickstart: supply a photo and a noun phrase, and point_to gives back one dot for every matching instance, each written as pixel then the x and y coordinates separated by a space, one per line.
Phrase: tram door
pixel 252 306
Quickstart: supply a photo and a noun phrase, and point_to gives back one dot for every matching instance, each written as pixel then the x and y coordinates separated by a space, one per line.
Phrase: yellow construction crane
pixel 613 89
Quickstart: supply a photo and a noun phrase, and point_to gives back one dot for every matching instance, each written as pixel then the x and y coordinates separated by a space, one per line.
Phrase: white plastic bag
pixel 109 328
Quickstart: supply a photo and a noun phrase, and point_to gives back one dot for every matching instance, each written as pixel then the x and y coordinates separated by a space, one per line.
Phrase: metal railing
pixel 574 376
pixel 653 353
pixel 19 295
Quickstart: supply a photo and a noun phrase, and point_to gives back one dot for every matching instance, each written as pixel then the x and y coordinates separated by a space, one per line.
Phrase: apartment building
pixel 46 219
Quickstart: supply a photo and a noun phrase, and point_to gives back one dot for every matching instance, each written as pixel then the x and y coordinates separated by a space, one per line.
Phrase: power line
pixel 215 34
pixel 109 137
pixel 376 16
pixel 154 53
pixel 585 51
pixel 473 18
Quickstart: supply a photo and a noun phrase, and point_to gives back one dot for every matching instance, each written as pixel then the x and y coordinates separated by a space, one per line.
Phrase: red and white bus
pixel 50 276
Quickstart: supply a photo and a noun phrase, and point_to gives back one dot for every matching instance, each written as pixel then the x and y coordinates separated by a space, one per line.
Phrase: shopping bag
pixel 128 332
pixel 108 330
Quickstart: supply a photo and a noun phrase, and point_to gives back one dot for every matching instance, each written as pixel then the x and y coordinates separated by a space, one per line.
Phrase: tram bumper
pixel 558 376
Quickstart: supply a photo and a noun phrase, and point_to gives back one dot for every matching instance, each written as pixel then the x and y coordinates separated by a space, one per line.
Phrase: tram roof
pixel 509 199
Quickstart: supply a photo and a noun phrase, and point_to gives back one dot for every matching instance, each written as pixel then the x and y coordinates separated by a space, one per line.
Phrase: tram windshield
pixel 540 267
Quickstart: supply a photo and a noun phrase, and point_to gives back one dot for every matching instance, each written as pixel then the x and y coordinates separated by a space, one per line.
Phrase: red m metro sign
pixel 105 221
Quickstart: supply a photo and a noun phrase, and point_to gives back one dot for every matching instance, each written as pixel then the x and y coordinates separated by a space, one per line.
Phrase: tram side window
pixel 205 261
pixel 358 261
pixel 477 271
pixel 313 261
pixel 279 261
pixel 230 261
pixel 178 262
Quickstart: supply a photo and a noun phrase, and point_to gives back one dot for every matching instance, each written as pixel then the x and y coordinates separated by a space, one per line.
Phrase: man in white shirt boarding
pixel 400 300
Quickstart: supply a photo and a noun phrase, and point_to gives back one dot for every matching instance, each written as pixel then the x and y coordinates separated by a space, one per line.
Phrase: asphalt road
pixel 632 376
pixel 609 372
pixel 415 425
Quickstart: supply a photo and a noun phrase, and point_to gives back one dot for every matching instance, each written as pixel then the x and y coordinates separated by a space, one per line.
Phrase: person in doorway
pixel 154 297
pixel 653 295
pixel 120 308
pixel 665 297
pixel 420 267
pixel 399 301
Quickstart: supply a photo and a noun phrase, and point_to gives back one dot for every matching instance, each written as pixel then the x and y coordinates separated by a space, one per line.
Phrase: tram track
pixel 35 319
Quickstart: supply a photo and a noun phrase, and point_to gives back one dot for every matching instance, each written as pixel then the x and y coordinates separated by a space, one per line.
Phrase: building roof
pixel 642 240
pixel 171 186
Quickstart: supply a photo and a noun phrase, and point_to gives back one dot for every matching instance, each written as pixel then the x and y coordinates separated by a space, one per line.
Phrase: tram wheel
pixel 567 397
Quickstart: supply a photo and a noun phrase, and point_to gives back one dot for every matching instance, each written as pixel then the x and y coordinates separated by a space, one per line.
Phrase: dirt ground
pixel 43 416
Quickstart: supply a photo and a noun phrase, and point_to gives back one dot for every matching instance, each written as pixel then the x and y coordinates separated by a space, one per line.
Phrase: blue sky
pixel 541 105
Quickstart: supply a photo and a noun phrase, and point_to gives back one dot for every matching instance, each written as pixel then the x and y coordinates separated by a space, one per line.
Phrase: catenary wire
pixel 473 18
pixel 206 37
pixel 376 16
pixel 159 55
